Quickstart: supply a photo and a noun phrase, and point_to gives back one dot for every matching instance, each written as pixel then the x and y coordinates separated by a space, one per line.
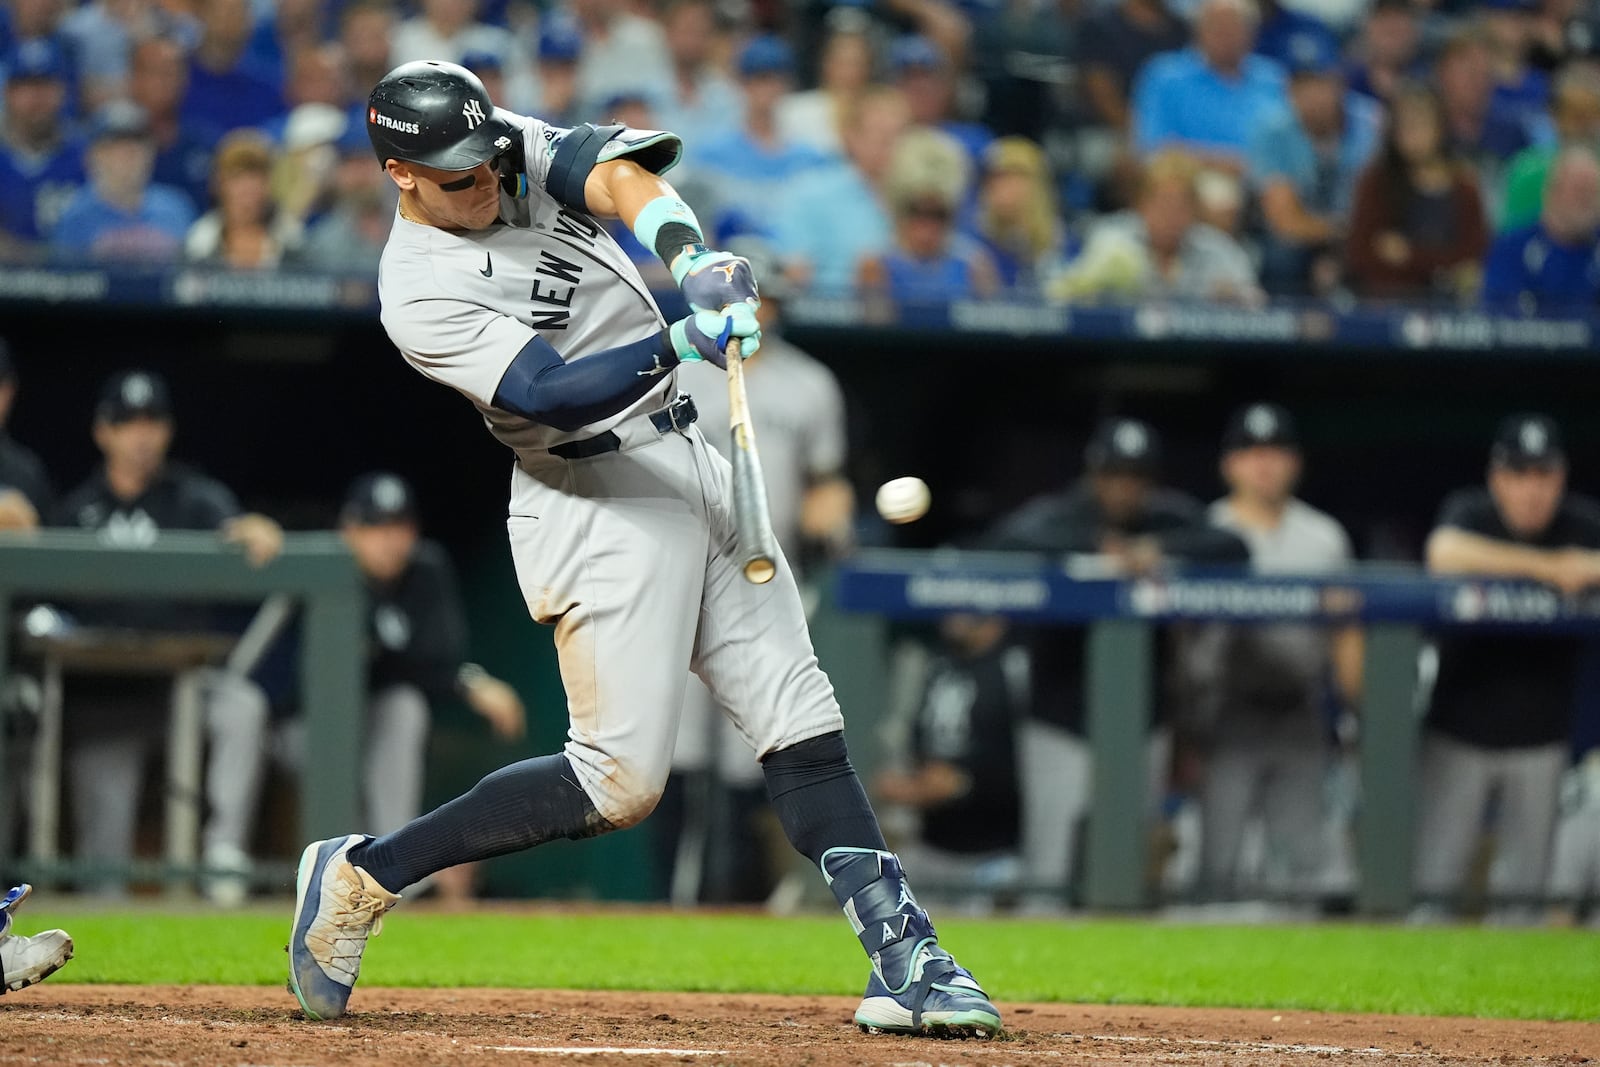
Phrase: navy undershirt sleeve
pixel 541 386
pixel 575 157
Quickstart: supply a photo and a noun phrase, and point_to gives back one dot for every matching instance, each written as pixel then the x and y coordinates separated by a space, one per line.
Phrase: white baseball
pixel 902 500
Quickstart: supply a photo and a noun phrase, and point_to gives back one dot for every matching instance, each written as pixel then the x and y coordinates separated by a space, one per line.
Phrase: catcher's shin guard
pixel 916 986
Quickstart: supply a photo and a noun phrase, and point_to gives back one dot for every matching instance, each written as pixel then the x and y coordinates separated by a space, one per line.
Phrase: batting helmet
pixel 436 114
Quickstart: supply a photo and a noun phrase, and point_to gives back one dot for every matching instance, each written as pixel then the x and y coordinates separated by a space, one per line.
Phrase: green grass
pixel 1533 974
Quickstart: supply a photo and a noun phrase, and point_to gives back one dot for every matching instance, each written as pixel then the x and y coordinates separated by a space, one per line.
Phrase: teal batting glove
pixel 706 335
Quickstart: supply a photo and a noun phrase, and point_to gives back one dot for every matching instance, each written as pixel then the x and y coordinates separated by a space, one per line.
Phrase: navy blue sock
pixel 515 808
pixel 819 799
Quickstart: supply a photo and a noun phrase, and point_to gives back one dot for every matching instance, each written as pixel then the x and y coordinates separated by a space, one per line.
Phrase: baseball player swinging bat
pixel 751 517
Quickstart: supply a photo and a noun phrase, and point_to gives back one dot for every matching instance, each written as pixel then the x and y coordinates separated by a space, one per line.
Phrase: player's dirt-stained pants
pixel 631 555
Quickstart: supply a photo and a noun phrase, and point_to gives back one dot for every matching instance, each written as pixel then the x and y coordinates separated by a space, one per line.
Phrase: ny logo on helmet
pixel 474 113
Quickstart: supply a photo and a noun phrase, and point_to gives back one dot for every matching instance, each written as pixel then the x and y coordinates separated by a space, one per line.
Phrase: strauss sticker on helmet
pixel 399 125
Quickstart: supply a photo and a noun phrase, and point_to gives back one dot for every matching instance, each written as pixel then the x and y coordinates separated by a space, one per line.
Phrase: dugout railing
pixel 314 569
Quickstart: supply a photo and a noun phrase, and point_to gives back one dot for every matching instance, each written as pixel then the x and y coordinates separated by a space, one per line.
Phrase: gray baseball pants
pixel 1458 780
pixel 631 555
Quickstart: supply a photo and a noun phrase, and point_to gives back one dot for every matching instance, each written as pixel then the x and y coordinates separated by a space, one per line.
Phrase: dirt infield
pixel 212 1025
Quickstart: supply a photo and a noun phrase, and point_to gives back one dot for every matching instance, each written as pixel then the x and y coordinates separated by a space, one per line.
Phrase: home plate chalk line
pixel 594 1050
pixel 1170 1046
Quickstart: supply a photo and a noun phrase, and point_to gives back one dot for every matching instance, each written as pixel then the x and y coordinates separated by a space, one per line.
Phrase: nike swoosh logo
pixel 488 266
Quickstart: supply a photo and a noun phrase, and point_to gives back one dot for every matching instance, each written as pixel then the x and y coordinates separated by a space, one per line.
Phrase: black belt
pixel 678 415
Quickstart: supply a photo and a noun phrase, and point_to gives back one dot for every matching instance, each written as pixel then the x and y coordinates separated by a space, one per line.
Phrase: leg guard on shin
pixel 916 985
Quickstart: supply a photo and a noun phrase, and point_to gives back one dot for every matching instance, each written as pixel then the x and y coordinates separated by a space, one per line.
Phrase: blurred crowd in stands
pixel 923 150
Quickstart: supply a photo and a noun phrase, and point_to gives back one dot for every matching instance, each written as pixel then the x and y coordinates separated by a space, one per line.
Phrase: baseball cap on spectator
pixel 1528 441
pixel 134 394
pixel 312 124
pixel 37 58
pixel 1123 446
pixel 559 40
pixel 8 369
pixel 1312 54
pixel 482 60
pixel 378 498
pixel 766 54
pixel 915 52
pixel 120 119
pixel 1255 425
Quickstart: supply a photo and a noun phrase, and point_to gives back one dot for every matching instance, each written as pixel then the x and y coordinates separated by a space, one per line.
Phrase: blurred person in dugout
pixel 1574 888
pixel 1259 710
pixel 956 769
pixel 1575 864
pixel 416 660
pixel 798 409
pixel 1115 520
pixel 112 722
pixel 1496 736
pixel 929 261
pixel 26 496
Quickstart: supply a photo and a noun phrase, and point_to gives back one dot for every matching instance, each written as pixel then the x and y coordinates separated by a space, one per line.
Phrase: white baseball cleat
pixel 25 961
pixel 942 999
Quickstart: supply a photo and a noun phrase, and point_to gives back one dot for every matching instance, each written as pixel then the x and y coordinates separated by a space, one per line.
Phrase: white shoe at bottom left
pixel 25 961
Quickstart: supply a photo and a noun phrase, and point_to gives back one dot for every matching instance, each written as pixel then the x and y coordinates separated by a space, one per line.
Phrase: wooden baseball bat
pixel 752 519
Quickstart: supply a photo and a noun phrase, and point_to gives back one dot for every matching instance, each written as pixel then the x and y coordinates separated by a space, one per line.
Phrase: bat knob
pixel 759 571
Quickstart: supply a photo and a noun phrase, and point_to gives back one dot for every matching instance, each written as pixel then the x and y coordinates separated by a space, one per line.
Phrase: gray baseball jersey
pixel 460 305
pixel 630 554
pixel 1267 659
